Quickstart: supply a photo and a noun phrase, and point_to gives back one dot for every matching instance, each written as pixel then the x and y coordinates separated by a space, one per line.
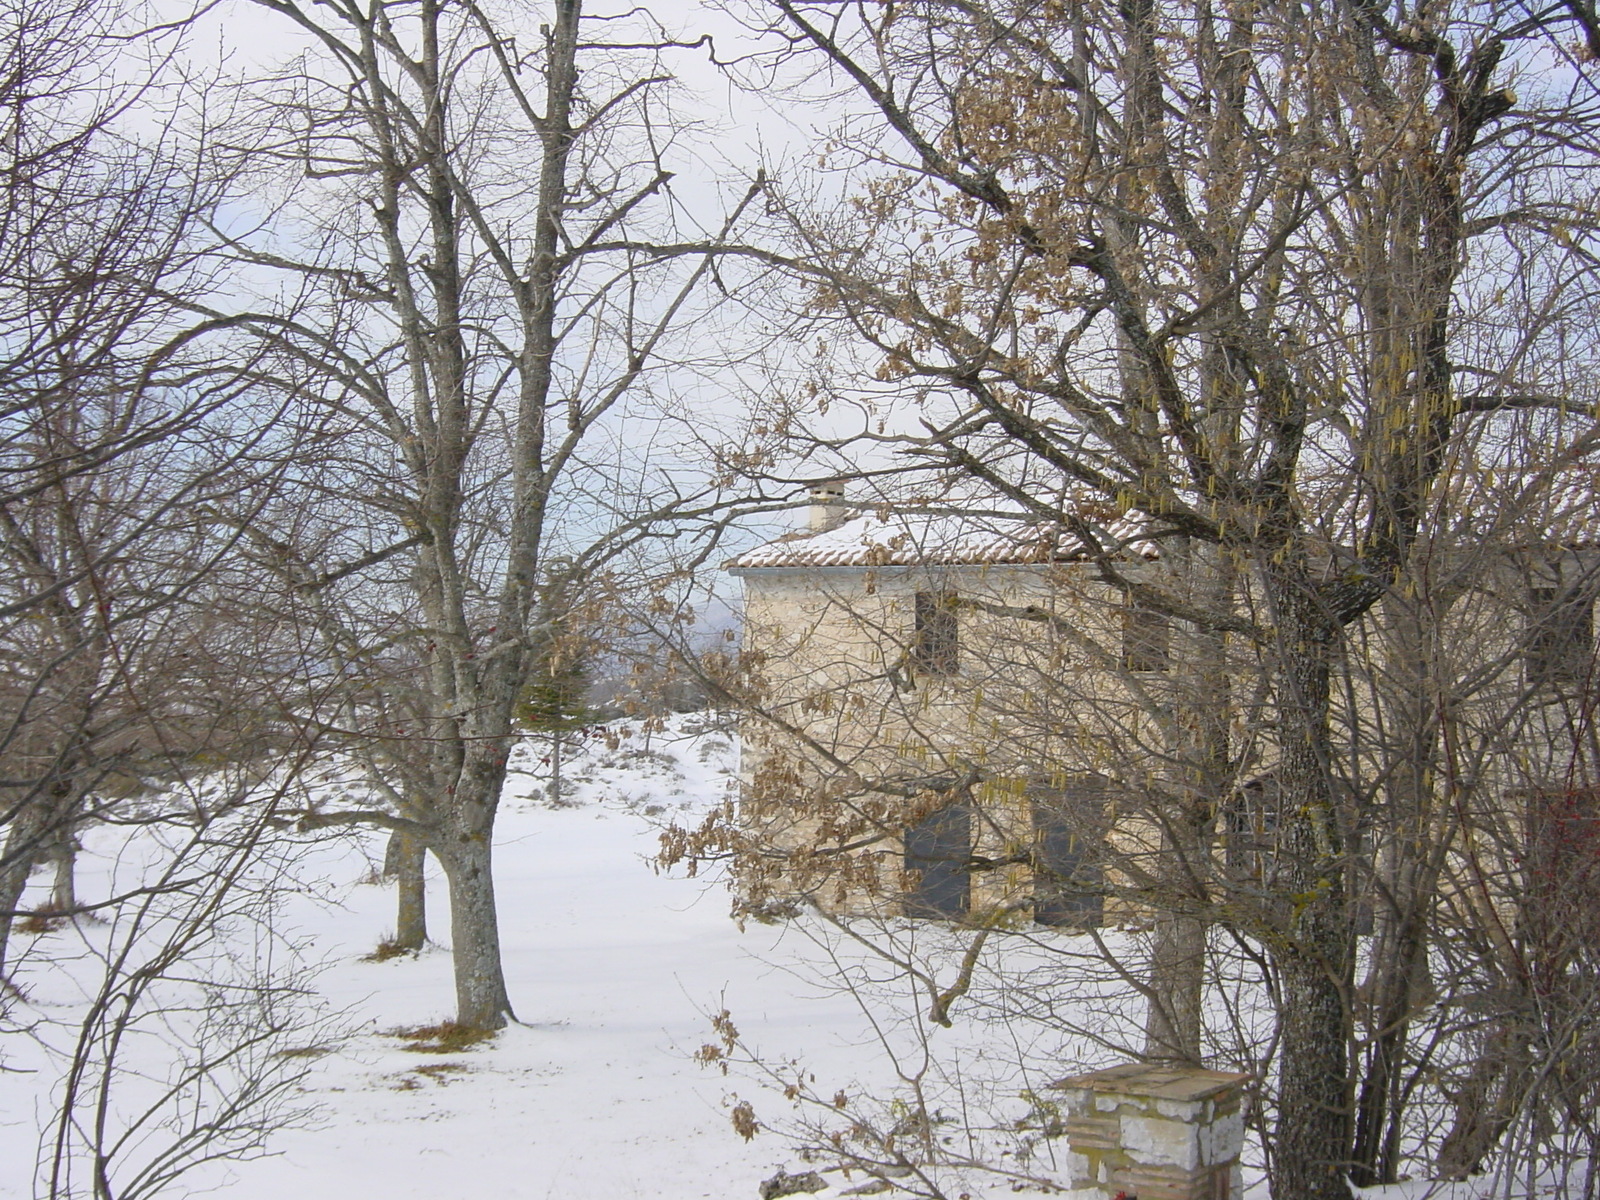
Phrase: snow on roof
pixel 1558 509
pixel 888 539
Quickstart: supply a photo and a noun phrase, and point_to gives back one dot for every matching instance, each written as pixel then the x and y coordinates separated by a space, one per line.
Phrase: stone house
pixel 964 715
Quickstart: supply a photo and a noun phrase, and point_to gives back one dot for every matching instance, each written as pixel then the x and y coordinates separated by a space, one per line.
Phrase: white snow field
pixel 615 971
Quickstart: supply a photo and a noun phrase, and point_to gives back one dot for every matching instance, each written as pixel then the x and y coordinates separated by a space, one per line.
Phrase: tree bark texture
pixel 1175 1005
pixel 1489 1102
pixel 1312 951
pixel 409 855
pixel 63 890
pixel 16 863
pixel 1397 983
pixel 482 1001
pixel 1198 688
pixel 28 841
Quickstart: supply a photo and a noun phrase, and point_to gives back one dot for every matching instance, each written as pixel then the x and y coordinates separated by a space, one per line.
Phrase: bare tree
pixel 121 414
pixel 1146 264
pixel 130 659
pixel 486 298
pixel 188 1052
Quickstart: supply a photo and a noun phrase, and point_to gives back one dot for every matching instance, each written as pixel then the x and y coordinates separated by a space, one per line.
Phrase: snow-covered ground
pixel 615 970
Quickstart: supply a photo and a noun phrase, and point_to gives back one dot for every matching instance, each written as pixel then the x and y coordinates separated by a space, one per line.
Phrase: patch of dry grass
pixel 443 1072
pixel 305 1052
pixel 447 1037
pixel 387 949
pixel 43 921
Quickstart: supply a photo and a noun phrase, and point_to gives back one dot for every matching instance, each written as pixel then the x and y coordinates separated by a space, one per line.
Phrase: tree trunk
pixel 555 768
pixel 481 998
pixel 1313 1128
pixel 407 855
pixel 63 895
pixel 16 864
pixel 1489 1101
pixel 1402 951
pixel 1177 986
pixel 1197 675
pixel 1312 1138
pixel 13 880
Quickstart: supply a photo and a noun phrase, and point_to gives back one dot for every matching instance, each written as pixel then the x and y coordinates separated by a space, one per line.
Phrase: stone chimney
pixel 828 509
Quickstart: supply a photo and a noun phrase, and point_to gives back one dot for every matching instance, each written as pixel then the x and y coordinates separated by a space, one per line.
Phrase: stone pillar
pixel 1155 1132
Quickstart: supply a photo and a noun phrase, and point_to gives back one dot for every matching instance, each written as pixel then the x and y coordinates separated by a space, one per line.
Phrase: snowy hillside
pixel 614 970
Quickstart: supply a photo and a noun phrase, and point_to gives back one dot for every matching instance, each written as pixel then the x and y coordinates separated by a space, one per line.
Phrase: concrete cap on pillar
pixel 1184 1084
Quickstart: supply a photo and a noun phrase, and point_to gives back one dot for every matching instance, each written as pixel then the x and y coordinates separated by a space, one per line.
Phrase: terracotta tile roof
pixel 1559 509
pixel 904 540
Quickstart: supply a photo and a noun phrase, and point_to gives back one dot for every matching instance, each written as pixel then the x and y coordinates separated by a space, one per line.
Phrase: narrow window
pixel 936 648
pixel 1560 635
pixel 1146 638
pixel 1068 848
pixel 1251 824
pixel 936 852
pixel 1560 894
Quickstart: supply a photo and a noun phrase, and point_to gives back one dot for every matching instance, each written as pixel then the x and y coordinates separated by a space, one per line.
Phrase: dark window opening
pixel 937 850
pixel 1146 638
pixel 1560 899
pixel 936 648
pixel 1069 848
pixel 1251 832
pixel 1560 635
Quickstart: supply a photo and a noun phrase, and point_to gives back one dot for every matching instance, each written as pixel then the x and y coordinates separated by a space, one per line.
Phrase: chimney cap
pixel 828 509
